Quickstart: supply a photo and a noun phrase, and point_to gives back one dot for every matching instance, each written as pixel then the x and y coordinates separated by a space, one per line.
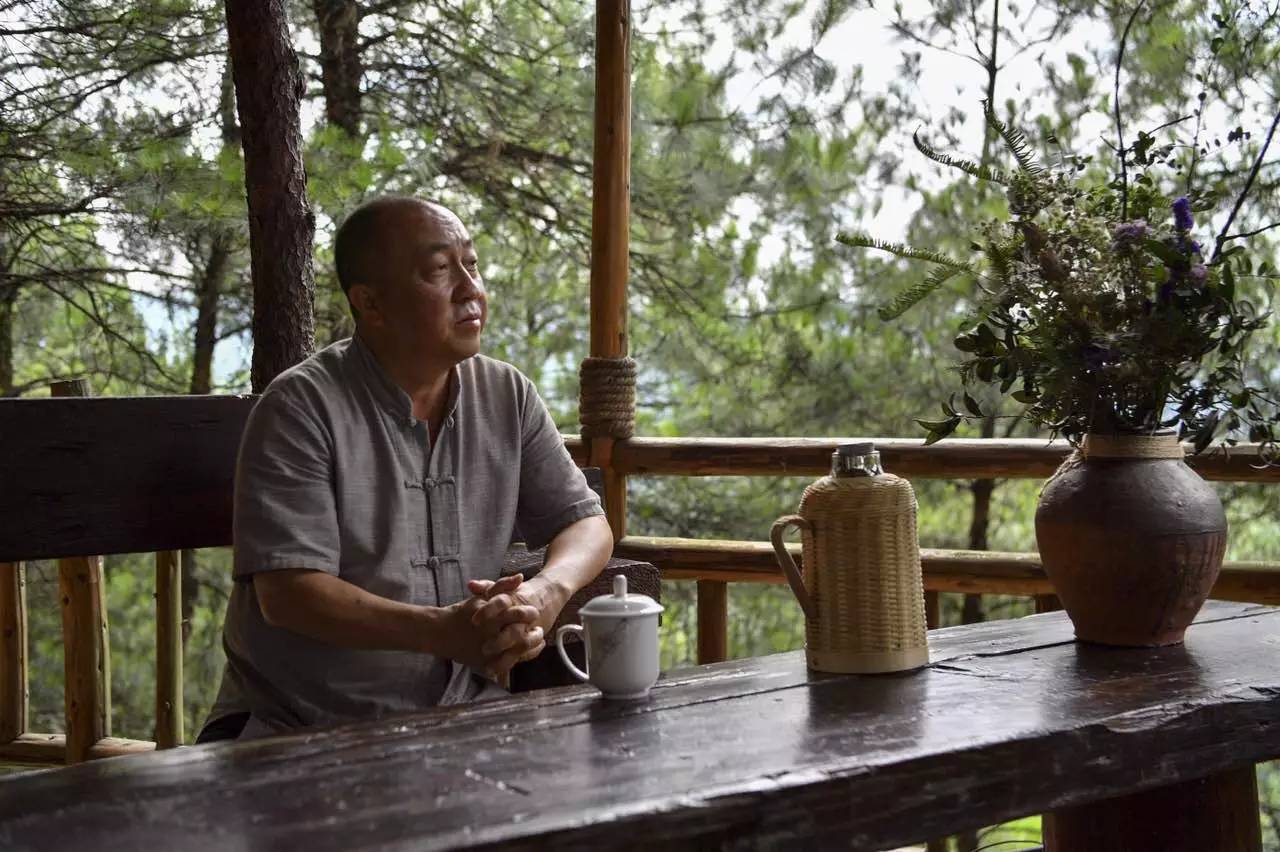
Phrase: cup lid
pixel 620 604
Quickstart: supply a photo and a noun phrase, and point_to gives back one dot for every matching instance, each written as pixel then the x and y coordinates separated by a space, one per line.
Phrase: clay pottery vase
pixel 1131 538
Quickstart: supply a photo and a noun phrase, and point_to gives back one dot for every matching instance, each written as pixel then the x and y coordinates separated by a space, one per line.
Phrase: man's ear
pixel 364 303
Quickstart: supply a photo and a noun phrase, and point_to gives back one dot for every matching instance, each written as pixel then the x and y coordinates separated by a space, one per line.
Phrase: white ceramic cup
pixel 621 634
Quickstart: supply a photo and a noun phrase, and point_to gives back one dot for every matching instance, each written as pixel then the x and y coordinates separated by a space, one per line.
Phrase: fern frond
pixel 1015 141
pixel 999 264
pixel 912 296
pixel 979 171
pixel 858 239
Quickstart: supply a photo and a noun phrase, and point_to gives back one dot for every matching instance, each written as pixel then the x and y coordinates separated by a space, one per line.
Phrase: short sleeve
pixel 553 491
pixel 285 515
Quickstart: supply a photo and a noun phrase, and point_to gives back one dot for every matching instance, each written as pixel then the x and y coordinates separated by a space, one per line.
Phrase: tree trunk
pixel 8 299
pixel 268 88
pixel 209 288
pixel 340 68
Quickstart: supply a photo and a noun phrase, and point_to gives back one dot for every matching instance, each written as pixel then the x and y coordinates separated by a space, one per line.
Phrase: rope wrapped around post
pixel 607 400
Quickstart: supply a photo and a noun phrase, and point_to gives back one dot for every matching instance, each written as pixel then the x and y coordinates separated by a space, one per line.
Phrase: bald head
pixel 410 272
pixel 368 239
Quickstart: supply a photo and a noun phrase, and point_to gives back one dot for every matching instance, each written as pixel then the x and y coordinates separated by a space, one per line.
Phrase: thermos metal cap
pixel 856 459
pixel 862 448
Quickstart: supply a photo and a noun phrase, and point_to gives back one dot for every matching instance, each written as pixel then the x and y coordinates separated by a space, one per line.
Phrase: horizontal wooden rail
pixel 51 749
pixel 950 459
pixel 976 572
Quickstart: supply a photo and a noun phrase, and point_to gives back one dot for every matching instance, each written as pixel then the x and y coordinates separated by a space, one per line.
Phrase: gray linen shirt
pixel 335 474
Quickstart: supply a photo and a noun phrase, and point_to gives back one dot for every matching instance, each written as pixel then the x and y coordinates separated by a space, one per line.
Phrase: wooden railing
pixel 63 496
pixel 713 563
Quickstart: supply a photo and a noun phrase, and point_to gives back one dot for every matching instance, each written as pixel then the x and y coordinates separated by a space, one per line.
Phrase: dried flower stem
pixel 1248 185
pixel 1124 170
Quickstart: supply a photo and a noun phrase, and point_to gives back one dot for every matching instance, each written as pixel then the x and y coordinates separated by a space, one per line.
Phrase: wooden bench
pixel 81 477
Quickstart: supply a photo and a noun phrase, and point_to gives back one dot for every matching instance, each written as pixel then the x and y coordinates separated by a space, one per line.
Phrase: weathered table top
pixel 1010 718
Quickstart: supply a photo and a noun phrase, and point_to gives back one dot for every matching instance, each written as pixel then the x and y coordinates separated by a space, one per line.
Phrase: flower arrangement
pixel 1101 308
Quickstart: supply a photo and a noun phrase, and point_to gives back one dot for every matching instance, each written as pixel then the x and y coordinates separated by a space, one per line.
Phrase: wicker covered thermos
pixel 862 591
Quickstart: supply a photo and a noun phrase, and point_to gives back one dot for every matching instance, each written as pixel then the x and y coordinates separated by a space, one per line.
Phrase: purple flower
pixel 1182 214
pixel 1199 272
pixel 1129 231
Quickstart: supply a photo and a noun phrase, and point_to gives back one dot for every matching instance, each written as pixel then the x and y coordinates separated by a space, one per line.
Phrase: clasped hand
pixel 503 625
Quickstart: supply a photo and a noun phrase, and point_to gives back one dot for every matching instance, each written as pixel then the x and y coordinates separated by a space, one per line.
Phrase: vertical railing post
pixel 610 245
pixel 713 621
pixel 169 649
pixel 86 653
pixel 13 651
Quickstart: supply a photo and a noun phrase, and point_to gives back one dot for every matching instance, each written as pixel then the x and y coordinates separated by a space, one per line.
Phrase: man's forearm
pixel 329 609
pixel 575 557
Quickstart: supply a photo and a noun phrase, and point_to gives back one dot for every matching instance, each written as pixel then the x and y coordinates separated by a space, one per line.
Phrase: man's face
pixel 431 302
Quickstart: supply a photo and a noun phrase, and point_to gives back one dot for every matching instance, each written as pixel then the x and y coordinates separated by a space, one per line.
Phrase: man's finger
pixel 489 588
pixel 492 621
pixel 533 652
pixel 505 585
pixel 491 608
pixel 506 638
pixel 507 661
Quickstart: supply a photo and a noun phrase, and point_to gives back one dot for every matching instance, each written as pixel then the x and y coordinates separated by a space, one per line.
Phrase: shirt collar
pixel 390 395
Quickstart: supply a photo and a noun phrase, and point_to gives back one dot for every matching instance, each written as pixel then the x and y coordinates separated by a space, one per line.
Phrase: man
pixel 377 488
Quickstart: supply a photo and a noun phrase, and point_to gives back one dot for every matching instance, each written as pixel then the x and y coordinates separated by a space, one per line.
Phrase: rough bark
pixel 8 298
pixel 340 66
pixel 268 86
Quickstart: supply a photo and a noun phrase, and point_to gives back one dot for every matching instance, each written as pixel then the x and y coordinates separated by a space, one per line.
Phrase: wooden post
pixel 932 610
pixel 610 221
pixel 13 651
pixel 713 621
pixel 168 649
pixel 1218 812
pixel 1047 603
pixel 86 653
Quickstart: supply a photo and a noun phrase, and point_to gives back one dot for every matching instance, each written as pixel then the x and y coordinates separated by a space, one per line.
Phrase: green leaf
pixel 969 167
pixel 1204 435
pixel 1014 141
pixel 910 297
pixel 939 429
pixel 987 339
pixel 858 239
pixel 1025 396
pixel 1168 254
pixel 972 406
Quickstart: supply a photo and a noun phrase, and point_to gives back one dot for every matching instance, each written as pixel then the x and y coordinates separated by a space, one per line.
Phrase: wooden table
pixel 1011 718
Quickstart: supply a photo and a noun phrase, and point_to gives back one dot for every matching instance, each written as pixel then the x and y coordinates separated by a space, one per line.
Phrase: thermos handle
pixel 788 564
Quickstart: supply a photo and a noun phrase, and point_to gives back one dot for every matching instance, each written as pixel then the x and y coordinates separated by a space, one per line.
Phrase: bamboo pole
pixel 13 651
pixel 933 610
pixel 610 221
pixel 86 653
pixel 169 649
pixel 713 621
pixel 610 199
pixel 968 571
pixel 954 458
pixel 51 749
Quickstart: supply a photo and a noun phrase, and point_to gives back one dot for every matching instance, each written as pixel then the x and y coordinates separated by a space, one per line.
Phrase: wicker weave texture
pixel 862 570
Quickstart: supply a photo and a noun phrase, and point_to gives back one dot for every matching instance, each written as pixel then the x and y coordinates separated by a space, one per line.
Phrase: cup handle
pixel 560 634
pixel 788 564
